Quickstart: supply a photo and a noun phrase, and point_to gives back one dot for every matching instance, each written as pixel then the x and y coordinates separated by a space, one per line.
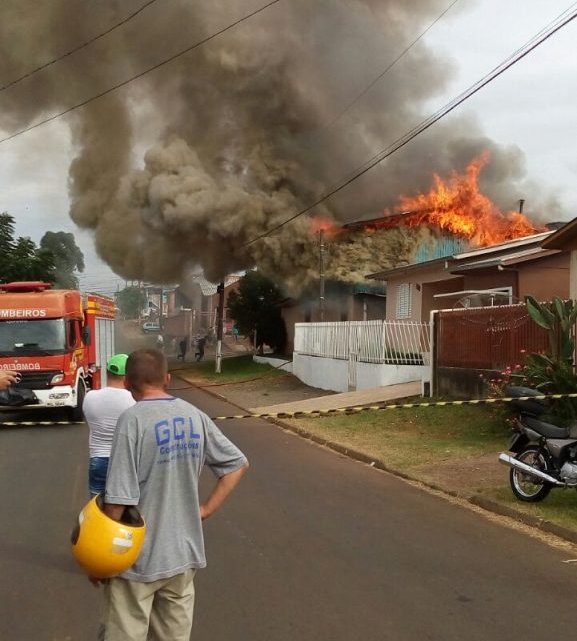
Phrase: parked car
pixel 150 327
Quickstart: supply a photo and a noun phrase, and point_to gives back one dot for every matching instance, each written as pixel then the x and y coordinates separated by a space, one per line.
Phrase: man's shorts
pixel 97 471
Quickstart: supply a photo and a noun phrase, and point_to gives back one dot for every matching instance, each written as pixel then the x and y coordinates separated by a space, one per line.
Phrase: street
pixel 313 546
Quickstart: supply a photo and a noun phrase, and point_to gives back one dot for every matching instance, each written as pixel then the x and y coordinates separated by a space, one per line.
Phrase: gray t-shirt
pixel 159 449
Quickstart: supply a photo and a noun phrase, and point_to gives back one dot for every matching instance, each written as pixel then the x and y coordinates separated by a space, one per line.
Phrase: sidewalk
pixel 347 399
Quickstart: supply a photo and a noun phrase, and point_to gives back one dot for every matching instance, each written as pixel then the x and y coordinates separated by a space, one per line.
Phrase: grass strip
pixel 438 445
pixel 234 370
pixel 412 438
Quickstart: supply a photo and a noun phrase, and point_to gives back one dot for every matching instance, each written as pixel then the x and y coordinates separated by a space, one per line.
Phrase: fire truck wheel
pixel 75 413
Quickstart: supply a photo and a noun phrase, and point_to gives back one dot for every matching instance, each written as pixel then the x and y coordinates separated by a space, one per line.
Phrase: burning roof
pixel 456 206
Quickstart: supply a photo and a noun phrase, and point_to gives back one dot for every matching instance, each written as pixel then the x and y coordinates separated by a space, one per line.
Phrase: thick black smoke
pixel 242 130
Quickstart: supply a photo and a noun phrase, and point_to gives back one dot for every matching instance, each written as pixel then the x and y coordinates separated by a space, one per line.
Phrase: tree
pixel 554 372
pixel 68 257
pixel 256 307
pixel 20 258
pixel 6 244
pixel 130 301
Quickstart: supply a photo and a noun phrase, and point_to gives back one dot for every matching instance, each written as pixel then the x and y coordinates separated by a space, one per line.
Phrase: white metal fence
pixel 376 341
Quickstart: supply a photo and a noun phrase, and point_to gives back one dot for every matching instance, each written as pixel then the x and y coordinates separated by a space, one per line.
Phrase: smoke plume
pixel 243 131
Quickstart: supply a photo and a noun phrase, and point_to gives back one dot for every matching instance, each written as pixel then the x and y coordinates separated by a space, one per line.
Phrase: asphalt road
pixel 313 546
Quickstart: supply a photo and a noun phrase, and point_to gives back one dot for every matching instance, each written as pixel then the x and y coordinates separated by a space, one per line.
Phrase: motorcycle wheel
pixel 526 487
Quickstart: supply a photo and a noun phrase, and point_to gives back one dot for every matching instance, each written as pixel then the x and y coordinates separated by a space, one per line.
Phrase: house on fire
pixel 505 272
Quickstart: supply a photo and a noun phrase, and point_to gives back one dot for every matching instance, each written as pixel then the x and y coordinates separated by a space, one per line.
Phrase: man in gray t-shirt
pixel 160 447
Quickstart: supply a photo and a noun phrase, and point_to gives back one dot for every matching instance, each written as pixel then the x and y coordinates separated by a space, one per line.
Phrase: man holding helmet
pixel 160 447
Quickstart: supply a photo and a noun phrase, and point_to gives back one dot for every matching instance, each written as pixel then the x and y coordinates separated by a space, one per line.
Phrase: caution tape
pixel 35 423
pixel 353 409
pixel 356 409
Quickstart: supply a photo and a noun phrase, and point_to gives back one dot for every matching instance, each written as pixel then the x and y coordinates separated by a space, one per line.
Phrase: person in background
pixel 160 342
pixel 7 378
pixel 183 345
pixel 101 410
pixel 160 448
pixel 200 343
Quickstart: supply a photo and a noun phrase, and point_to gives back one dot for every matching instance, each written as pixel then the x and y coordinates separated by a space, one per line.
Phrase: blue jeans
pixel 97 470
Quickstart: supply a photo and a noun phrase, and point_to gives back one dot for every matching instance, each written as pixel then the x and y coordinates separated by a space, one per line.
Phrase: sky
pixel 532 106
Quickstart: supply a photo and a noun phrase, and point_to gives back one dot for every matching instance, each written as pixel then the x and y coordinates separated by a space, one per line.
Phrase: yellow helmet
pixel 104 547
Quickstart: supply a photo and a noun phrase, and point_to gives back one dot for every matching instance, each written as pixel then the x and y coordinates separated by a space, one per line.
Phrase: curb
pixel 533 521
pixel 212 393
pixel 478 500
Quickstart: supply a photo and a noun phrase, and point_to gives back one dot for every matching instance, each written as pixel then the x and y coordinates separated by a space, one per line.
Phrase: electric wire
pixel 77 48
pixel 550 25
pixel 544 34
pixel 383 73
pixel 128 81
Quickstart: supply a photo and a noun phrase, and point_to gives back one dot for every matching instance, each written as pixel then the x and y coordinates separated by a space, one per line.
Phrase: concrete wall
pixel 274 362
pixel 333 374
pixel 462 383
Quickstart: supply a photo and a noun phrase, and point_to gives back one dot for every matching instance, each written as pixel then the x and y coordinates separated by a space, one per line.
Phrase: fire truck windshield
pixel 32 337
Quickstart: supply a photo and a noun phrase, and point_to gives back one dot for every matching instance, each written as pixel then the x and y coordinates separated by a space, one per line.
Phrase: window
pixel 404 301
pixel 32 337
pixel 73 333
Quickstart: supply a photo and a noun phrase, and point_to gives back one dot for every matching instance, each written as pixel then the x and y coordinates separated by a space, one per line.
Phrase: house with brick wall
pixel 503 273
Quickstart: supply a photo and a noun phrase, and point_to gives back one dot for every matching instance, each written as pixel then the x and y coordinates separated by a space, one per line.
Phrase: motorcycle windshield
pixel 43 337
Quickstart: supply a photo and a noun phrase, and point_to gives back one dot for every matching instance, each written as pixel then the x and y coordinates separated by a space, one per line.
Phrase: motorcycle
pixel 544 454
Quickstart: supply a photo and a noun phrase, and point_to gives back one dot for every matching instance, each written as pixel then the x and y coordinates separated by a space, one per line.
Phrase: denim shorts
pixel 97 470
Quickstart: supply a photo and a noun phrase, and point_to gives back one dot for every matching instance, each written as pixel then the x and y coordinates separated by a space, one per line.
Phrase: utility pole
pixel 521 205
pixel 219 323
pixel 322 275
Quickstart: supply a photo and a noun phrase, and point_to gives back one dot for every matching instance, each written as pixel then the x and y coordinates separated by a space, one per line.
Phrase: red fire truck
pixel 58 340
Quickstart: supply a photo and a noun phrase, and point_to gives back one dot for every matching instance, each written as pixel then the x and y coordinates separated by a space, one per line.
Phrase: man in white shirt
pixel 101 410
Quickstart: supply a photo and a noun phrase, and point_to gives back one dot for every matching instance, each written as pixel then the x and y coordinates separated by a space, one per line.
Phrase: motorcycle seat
pixel 547 430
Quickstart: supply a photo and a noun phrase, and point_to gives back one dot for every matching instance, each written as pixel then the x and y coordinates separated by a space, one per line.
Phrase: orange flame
pixel 457 205
pixel 328 226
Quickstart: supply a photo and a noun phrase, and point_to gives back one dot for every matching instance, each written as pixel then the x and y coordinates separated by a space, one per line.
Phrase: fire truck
pixel 58 341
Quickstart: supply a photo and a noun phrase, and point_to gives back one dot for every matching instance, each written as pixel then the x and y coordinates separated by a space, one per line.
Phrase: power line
pixel 532 44
pixel 478 84
pixel 78 48
pixel 383 73
pixel 141 74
